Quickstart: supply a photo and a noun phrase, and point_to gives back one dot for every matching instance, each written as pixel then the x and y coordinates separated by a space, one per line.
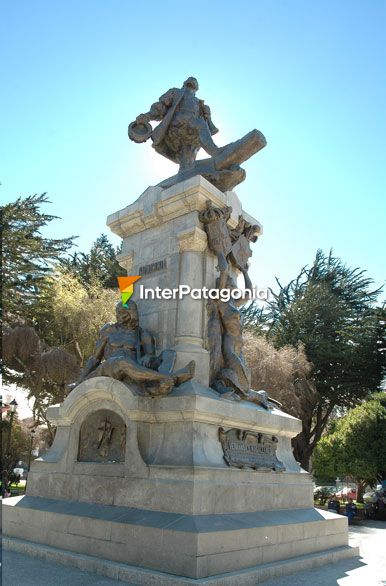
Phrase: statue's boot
pixel 184 374
pixel 161 388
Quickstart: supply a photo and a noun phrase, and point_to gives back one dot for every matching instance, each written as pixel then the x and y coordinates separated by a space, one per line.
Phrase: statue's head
pixel 192 83
pixel 127 314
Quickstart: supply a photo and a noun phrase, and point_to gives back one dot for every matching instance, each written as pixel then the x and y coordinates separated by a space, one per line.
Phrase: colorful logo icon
pixel 126 287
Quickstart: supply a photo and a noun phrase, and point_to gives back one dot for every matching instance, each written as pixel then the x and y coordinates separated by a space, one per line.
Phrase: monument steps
pixel 143 577
pixel 194 546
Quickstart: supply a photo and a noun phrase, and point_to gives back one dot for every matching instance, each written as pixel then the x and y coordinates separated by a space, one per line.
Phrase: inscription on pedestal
pixel 153 267
pixel 250 449
pixel 102 438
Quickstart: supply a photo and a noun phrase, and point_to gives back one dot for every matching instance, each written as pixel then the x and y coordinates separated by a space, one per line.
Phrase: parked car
pixel 372 496
pixel 323 493
pixel 346 493
pixel 329 489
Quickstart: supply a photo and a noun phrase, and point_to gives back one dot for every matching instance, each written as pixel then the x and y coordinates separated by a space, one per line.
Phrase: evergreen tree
pixel 329 310
pixel 28 256
pixel 51 319
pixel 99 266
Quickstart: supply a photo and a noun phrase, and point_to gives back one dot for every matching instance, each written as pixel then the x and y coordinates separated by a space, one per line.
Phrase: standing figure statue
pixel 185 127
pixel 230 374
pixel 126 352
pixel 225 332
pixel 229 245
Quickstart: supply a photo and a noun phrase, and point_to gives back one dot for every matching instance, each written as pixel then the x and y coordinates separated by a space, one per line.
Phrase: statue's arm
pixel 147 343
pixel 147 348
pixel 207 115
pixel 158 109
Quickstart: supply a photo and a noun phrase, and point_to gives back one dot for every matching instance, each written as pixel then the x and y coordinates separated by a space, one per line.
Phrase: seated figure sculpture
pixel 126 352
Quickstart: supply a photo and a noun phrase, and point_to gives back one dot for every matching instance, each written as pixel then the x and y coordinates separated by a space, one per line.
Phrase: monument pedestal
pixel 164 242
pixel 160 494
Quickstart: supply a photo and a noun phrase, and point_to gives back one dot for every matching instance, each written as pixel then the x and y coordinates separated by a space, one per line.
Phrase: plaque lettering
pixel 250 449
pixel 152 267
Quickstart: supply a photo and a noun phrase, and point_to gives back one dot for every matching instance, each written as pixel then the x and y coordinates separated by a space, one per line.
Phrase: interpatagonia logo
pixel 126 287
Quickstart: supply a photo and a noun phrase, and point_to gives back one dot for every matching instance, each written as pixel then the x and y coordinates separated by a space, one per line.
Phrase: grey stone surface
pixel 19 568
pixel 333 563
pixel 174 461
pixel 187 523
pixel 195 519
pixel 194 546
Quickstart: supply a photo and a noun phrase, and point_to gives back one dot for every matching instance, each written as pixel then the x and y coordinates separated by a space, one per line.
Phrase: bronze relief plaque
pixel 102 438
pixel 250 449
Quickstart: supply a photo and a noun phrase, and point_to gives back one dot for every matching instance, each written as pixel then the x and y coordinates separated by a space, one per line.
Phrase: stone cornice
pixel 126 260
pixel 157 206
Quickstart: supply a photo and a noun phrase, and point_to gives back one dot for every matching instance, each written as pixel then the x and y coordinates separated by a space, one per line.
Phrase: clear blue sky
pixel 309 74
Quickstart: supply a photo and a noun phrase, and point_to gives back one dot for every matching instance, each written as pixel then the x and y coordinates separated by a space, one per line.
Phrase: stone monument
pixel 167 467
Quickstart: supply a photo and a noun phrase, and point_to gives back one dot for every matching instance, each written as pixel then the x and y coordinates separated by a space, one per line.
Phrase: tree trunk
pixel 361 486
pixel 313 427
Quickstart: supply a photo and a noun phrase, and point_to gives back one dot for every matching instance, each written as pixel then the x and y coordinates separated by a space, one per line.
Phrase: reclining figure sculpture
pixel 126 352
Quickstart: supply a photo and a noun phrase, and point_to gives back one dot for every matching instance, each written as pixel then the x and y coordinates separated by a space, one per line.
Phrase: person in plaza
pixel 334 504
pixel 126 352
pixel 351 510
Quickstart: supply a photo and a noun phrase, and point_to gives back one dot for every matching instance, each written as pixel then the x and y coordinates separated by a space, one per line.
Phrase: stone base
pixel 194 546
pixel 169 502
pixel 142 577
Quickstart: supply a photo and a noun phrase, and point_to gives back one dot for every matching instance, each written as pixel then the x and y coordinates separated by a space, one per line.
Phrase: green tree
pixel 44 359
pixel 72 313
pixel 329 310
pixel 355 445
pixel 99 266
pixel 51 316
pixel 28 256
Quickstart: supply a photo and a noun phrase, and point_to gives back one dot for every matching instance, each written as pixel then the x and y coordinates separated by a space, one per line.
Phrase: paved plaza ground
pixel 370 570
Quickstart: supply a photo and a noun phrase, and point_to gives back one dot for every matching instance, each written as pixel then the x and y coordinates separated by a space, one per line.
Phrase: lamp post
pixel 32 435
pixel 7 455
pixel 33 431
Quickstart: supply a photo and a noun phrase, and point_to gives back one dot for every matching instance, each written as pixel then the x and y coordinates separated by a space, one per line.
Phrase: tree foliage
pixel 71 313
pixel 28 256
pixel 52 316
pixel 19 446
pixel 356 444
pixel 42 371
pixel 98 267
pixel 282 372
pixel 329 310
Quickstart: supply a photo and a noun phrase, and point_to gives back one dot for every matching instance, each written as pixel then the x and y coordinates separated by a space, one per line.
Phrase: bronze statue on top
pixel 185 127
pixel 126 352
